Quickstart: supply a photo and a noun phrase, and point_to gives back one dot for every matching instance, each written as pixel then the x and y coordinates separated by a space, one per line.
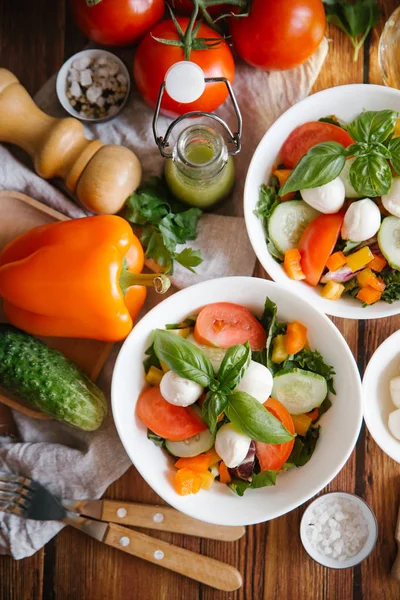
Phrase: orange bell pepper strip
pixel 369 295
pixel 292 265
pixel 69 279
pixel 199 463
pixel 282 176
pixel 224 475
pixel 187 482
pixel 335 261
pixel 295 338
pixel 378 263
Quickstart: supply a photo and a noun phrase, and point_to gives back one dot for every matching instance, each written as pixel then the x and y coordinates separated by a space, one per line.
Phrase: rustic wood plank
pixel 31 46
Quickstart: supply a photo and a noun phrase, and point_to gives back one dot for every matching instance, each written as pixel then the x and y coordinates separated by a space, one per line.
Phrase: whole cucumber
pixel 48 381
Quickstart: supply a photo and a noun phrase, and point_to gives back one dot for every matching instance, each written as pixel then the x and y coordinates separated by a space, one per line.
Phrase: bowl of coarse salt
pixel 338 530
pixel 93 85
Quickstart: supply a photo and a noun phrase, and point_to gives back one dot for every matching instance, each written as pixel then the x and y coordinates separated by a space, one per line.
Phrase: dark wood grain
pixel 35 38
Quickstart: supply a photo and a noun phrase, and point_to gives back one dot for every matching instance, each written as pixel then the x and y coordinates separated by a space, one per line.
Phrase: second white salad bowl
pixel 340 426
pixel 345 102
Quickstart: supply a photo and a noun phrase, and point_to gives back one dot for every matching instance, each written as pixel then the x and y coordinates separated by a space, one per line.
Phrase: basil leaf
pixel 234 365
pixel 370 175
pixel 254 420
pixel 267 202
pixel 151 360
pixel 373 126
pixel 309 442
pixel 156 439
pixel 394 149
pixel 268 321
pixel 258 480
pixel 322 163
pixel 213 405
pixel 183 357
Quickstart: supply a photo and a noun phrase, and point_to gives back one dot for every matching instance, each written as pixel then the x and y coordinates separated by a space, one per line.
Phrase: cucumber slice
pixel 287 223
pixel 345 177
pixel 199 443
pixel 216 355
pixel 299 391
pixel 389 241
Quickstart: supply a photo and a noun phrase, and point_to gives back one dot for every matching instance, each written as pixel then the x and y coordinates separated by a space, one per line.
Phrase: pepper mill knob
pixel 102 177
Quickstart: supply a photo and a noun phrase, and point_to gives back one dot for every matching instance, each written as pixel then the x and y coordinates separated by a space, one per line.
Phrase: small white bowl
pixel 383 366
pixel 340 426
pixel 346 102
pixel 61 84
pixel 368 546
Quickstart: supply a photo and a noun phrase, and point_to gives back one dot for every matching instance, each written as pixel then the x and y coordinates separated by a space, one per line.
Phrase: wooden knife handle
pixel 166 519
pixel 395 572
pixel 207 570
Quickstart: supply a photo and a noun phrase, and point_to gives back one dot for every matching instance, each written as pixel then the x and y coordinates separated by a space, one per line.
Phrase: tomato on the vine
pixel 116 22
pixel 154 58
pixel 279 35
pixel 185 7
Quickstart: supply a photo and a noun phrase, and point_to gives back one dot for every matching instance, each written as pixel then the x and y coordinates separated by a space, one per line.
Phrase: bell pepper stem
pixel 159 281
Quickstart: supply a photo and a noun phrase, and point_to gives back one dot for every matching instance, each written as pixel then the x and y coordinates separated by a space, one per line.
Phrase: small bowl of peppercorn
pixel 93 85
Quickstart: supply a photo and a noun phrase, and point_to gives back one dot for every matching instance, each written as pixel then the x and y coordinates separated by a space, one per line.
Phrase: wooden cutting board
pixel 19 213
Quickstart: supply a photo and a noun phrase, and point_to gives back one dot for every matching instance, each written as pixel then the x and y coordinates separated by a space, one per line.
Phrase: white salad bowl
pixel 383 366
pixel 345 102
pixel 340 426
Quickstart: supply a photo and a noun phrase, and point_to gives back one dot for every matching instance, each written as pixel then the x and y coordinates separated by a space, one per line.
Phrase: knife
pixel 163 518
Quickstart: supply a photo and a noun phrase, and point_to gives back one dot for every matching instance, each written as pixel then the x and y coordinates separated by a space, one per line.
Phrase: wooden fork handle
pixel 166 519
pixel 395 572
pixel 206 570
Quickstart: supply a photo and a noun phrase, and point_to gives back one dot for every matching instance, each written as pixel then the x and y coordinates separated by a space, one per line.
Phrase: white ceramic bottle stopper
pixel 184 82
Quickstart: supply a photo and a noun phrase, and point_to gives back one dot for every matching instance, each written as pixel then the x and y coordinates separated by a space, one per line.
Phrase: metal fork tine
pixel 14 509
pixel 11 478
pixel 15 487
pixel 14 497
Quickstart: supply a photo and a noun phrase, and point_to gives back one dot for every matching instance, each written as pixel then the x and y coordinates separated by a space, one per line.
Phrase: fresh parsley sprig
pixel 163 224
pixel 355 18
pixel 370 173
pixel 244 411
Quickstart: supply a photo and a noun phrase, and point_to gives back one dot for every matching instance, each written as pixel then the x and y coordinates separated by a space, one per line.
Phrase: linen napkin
pixel 75 464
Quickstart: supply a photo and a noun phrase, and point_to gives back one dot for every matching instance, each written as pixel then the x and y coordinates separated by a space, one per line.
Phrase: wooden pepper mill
pixel 102 177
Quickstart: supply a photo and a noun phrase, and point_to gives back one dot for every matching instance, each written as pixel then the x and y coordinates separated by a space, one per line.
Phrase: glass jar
pixel 389 51
pixel 200 173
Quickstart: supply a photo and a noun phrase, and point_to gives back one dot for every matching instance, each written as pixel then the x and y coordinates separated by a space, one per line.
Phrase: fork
pixel 24 497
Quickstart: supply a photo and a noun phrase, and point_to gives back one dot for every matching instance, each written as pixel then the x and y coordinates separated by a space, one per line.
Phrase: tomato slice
pixel 224 324
pixel 273 456
pixel 310 134
pixel 174 423
pixel 317 244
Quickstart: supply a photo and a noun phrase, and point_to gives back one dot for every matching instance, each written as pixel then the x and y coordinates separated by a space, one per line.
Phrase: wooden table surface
pixel 35 38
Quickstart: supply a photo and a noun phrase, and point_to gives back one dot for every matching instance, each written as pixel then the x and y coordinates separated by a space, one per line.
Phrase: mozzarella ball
pixel 231 445
pixel 215 354
pixel 391 200
pixel 327 198
pixel 394 423
pixel 257 381
pixel 362 221
pixel 395 391
pixel 345 177
pixel 178 390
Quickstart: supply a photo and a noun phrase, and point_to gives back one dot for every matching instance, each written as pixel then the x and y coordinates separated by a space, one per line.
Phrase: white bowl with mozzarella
pixel 340 426
pixel 380 401
pixel 345 102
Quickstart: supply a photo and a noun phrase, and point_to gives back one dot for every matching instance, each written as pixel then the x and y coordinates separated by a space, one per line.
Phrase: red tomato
pixel 224 325
pixel 116 22
pixel 174 423
pixel 279 35
pixel 317 244
pixel 273 456
pixel 153 59
pixel 185 7
pixel 304 137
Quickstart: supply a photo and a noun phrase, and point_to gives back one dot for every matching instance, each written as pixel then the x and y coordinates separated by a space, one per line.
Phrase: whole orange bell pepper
pixel 79 278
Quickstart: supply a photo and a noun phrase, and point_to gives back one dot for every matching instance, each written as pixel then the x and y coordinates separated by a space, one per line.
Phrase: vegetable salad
pixel 331 210
pixel 233 398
